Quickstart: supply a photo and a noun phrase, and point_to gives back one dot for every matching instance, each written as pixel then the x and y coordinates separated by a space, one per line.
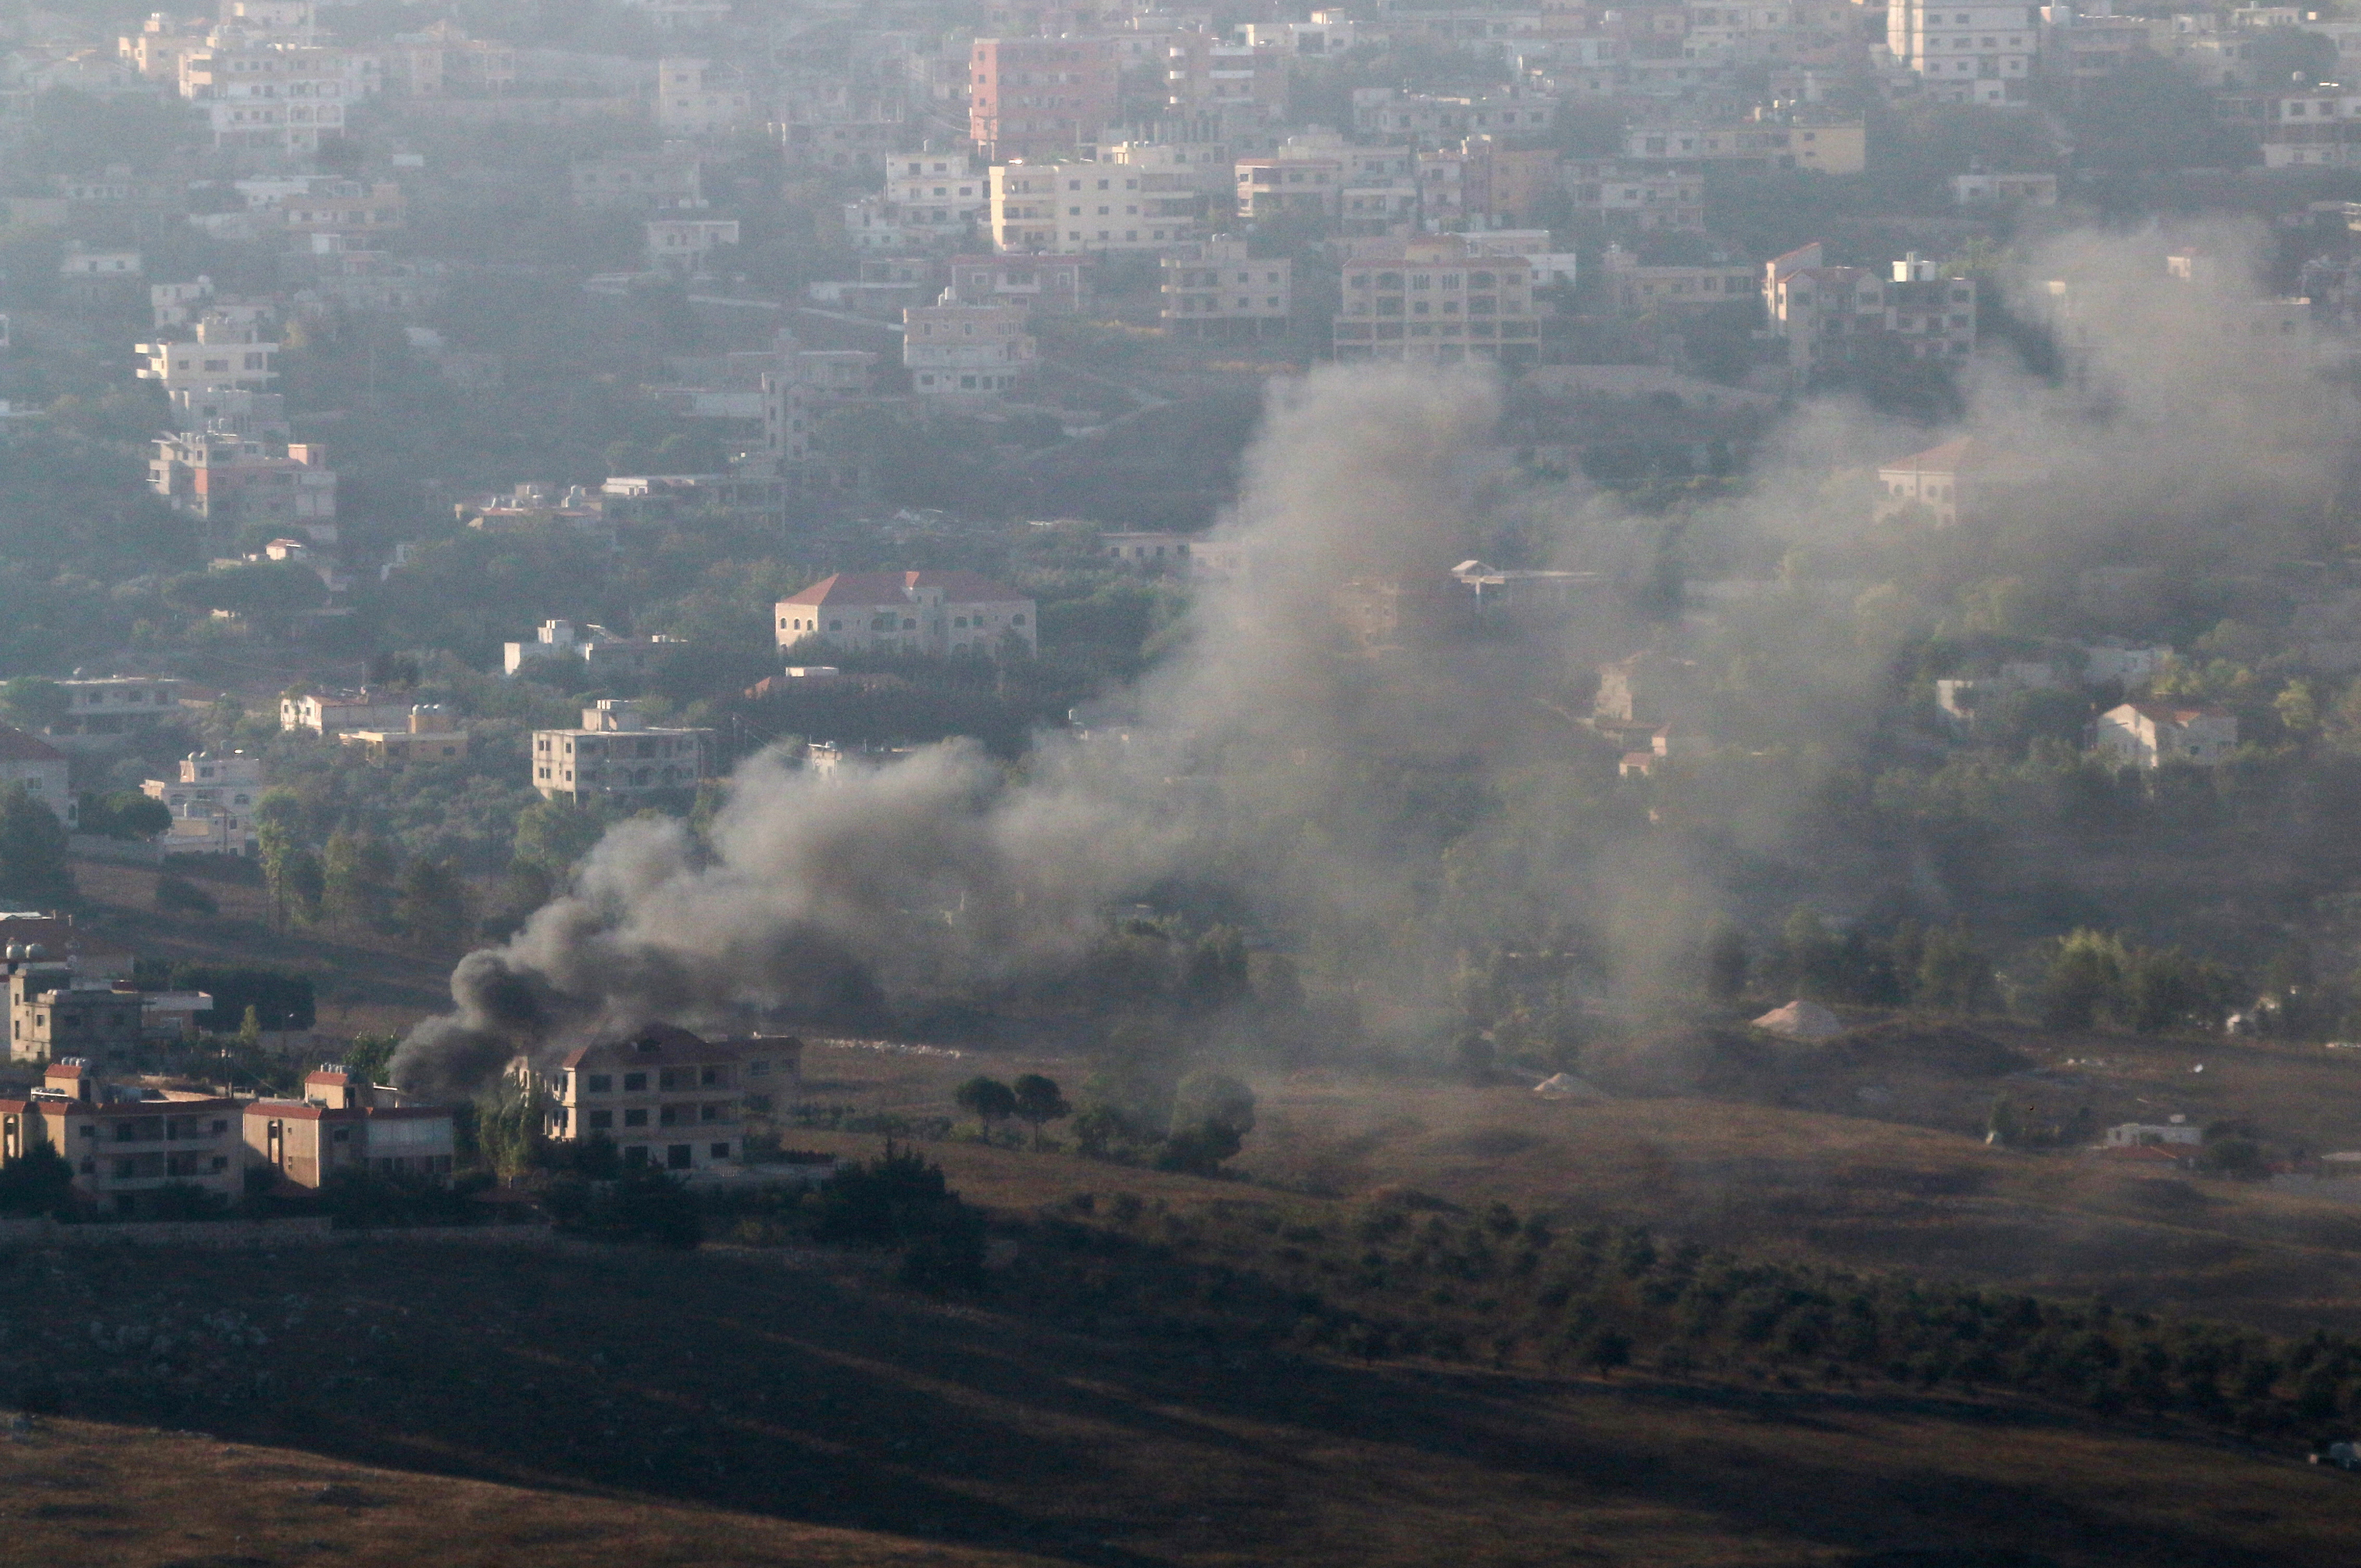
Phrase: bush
pixel 901 1199
pixel 364 1200
pixel 641 1206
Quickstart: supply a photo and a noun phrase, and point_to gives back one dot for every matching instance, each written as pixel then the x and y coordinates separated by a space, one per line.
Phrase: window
pixel 721 1151
pixel 601 1119
pixel 710 1111
pixel 711 1075
pixel 635 1118
pixel 635 1082
pixel 680 1156
pixel 600 1082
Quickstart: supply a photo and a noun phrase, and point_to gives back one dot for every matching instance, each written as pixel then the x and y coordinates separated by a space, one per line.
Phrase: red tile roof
pixel 16 746
pixel 863 588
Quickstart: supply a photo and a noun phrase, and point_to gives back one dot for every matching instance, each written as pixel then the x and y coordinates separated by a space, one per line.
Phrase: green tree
pixel 39 1181
pixel 988 1100
pixel 1040 1101
pixel 124 814
pixel 551 835
pixel 1952 974
pixel 1214 975
pixel 2085 978
pixel 31 703
pixel 510 1128
pixel 1726 963
pixel 357 882
pixel 368 1055
pixel 34 873
pixel 430 905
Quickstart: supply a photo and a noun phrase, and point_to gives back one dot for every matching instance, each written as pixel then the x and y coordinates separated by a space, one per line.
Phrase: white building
pixel 617 753
pixel 603 651
pixel 698 98
pixel 212 802
pixel 910 612
pixel 221 354
pixel 1969 53
pixel 972 351
pixel 41 767
pixel 1079 206
pixel 333 713
pixel 2150 734
pixel 681 245
pixel 101 710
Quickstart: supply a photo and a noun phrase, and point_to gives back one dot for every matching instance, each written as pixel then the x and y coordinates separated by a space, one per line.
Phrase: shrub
pixel 642 1205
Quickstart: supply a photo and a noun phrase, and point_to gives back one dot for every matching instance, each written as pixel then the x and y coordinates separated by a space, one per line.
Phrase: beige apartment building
pixel 617 753
pixel 344 1122
pixel 667 1097
pixel 1437 299
pixel 1074 206
pixel 126 1143
pixel 953 612
pixel 1216 289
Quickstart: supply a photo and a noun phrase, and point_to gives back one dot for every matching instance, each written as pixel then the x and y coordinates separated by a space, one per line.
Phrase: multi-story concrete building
pixel 1217 289
pixel 431 735
pixel 967 351
pixel 1437 299
pixel 55 1013
pixel 127 1144
pixel 672 179
pixel 1424 118
pixel 1630 198
pixel 700 98
pixel 1058 285
pixel 101 710
pixel 1205 71
pixel 443 59
pixel 1040 97
pixel 1827 315
pixel 344 1122
pixel 1090 206
pixel 682 245
pixel 212 801
pixel 1969 51
pixel 1635 286
pixel 1954 483
pixel 910 612
pixel 930 197
pixel 617 753
pixel 278 97
pixel 331 713
pixel 219 354
pixel 1826 143
pixel 666 1097
pixel 228 480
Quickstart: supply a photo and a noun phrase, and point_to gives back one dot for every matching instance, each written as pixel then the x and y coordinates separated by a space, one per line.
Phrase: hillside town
pixel 1061 780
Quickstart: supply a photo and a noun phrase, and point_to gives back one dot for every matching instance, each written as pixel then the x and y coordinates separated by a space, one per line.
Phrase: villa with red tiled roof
pixel 910 612
pixel 2150 734
pixel 1951 481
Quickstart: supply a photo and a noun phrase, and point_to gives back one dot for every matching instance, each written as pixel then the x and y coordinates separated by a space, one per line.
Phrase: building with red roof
pixel 911 612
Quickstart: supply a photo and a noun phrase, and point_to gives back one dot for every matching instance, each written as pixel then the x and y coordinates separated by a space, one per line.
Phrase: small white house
pixel 2150 734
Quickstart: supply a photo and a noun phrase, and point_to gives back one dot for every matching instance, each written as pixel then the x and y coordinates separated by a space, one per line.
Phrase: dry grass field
pixel 1859 1189
pixel 451 1405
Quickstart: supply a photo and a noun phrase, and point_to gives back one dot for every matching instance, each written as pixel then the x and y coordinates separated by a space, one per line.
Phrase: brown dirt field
pixel 366 984
pixel 81 1492
pixel 728 1407
pixel 1850 1189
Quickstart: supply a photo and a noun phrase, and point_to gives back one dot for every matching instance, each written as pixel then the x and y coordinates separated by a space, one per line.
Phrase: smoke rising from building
pixel 1270 763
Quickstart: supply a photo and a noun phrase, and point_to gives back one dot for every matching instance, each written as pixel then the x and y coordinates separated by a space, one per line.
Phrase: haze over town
pixel 987 781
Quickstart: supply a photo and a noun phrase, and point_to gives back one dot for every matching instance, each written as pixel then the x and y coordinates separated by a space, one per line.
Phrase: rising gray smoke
pixel 942 872
pixel 1271 760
